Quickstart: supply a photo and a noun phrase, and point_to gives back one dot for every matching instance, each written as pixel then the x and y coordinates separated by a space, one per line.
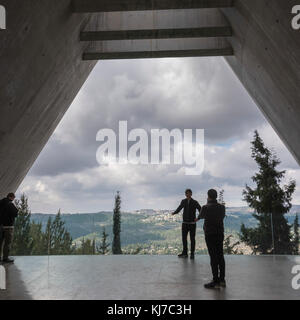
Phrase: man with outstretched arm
pixel 213 214
pixel 189 206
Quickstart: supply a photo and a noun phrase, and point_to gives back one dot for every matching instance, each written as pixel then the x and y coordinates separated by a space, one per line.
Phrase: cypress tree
pixel 94 246
pixel 116 245
pixel 221 197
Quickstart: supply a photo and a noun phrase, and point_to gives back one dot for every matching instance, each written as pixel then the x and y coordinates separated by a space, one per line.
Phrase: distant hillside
pixel 246 210
pixel 147 227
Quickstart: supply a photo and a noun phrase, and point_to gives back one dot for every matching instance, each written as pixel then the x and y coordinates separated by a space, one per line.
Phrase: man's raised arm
pixel 178 209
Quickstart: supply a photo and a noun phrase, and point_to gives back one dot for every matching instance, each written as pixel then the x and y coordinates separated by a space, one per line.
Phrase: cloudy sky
pixel 194 93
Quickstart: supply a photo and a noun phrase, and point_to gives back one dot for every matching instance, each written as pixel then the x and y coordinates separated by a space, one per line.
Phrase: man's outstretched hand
pixel 196 220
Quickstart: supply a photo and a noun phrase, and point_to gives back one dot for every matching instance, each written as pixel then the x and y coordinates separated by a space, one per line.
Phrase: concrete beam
pixel 158 44
pixel 157 54
pixel 156 34
pixel 81 6
pixel 158 48
pixel 163 19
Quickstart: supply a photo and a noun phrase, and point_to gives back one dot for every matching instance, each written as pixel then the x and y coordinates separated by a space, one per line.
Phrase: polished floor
pixel 147 277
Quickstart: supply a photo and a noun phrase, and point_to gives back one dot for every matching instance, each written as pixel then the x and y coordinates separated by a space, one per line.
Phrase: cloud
pixel 168 93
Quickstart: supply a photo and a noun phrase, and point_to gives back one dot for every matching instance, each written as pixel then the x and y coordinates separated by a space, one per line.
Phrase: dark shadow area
pixel 15 286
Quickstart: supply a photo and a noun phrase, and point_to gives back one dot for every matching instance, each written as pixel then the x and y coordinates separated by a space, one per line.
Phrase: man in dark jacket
pixel 213 214
pixel 8 213
pixel 189 206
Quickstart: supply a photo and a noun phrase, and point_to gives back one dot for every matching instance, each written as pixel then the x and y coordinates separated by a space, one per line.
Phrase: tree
pixel 94 246
pixel 221 197
pixel 103 247
pixel 22 243
pixel 87 247
pixel 271 202
pixel 30 239
pixel 230 248
pixel 47 238
pixel 82 246
pixel 37 236
pixel 62 241
pixel 57 240
pixel 137 250
pixel 116 245
pixel 296 236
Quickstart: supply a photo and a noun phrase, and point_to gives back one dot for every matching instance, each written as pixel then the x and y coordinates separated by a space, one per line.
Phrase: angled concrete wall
pixel 41 73
pixel 267 61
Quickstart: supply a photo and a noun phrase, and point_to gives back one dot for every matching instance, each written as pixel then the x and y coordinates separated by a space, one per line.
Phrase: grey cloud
pixel 137 91
pixel 171 93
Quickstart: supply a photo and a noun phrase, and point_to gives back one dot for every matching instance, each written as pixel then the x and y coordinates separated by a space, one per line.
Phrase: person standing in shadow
pixel 8 214
pixel 213 214
pixel 189 206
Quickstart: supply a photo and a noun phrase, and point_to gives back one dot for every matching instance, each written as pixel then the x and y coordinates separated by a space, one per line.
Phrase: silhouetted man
pixel 8 213
pixel 189 206
pixel 213 214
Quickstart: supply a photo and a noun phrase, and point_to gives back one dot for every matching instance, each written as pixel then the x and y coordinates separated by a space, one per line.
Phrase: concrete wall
pixel 267 61
pixel 41 73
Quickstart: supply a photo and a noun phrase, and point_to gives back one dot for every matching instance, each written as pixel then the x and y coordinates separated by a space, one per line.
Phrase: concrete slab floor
pixel 142 277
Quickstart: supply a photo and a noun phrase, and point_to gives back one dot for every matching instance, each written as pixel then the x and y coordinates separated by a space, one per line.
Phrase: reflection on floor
pixel 147 277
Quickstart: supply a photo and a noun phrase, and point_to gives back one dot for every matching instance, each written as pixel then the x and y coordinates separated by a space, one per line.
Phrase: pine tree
pixel 47 238
pixel 270 202
pixel 87 247
pixel 296 236
pixel 37 236
pixel 22 242
pixel 57 240
pixel 116 245
pixel 103 247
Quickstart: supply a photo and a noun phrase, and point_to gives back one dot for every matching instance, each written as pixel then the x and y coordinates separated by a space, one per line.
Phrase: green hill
pixel 150 232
